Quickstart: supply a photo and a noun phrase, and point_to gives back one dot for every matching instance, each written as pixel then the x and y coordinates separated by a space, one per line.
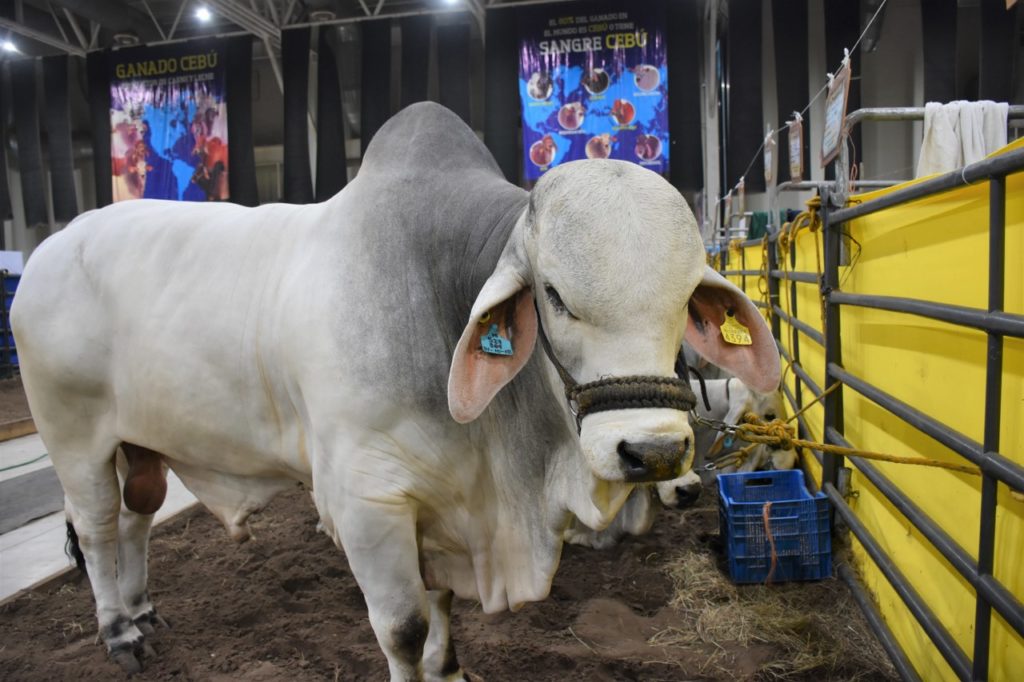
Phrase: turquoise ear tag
pixel 494 343
pixel 727 441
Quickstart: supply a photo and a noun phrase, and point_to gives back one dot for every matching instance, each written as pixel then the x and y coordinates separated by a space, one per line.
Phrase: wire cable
pixel 803 112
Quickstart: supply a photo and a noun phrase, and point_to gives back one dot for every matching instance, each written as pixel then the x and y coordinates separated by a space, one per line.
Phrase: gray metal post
pixel 993 408
pixel 833 240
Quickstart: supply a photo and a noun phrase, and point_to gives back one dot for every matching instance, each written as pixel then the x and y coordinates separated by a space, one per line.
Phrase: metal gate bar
pixel 996 467
pixel 903 667
pixel 944 642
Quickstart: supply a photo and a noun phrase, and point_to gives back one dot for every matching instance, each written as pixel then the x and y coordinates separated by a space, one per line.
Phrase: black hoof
pixel 127 654
pixel 126 658
pixel 149 621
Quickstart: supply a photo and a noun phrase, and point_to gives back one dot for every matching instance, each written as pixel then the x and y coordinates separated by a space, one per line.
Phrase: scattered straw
pixel 791 631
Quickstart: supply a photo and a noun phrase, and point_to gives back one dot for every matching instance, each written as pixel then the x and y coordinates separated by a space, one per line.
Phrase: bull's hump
pixel 426 137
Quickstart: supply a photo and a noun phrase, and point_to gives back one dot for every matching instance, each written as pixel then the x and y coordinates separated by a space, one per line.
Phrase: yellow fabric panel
pixel 935 249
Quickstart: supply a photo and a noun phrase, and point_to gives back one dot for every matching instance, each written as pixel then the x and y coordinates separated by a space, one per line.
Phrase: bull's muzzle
pixel 646 462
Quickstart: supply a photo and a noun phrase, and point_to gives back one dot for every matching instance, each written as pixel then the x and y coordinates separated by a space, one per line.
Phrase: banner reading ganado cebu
pixel 593 84
pixel 168 122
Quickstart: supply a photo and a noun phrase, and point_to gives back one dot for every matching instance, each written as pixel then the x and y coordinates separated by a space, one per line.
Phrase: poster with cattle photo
pixel 593 85
pixel 168 122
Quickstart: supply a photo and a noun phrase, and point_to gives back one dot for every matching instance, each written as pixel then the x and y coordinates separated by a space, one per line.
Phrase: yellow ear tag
pixel 734 332
pixel 485 318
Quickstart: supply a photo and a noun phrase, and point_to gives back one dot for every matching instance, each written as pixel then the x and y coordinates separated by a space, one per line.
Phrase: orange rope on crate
pixel 766 516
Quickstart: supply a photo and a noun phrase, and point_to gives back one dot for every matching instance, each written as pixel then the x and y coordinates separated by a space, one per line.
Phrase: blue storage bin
pixel 8 354
pixel 798 522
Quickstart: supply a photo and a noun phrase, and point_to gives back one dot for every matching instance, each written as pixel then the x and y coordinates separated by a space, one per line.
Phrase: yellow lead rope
pixel 780 435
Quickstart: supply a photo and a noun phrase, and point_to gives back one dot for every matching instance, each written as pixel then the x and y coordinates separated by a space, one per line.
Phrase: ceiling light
pixel 9 46
pixel 203 14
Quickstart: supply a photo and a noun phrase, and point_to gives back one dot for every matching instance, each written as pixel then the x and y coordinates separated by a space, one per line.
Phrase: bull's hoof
pixel 148 622
pixel 126 644
pixel 127 659
pixel 143 625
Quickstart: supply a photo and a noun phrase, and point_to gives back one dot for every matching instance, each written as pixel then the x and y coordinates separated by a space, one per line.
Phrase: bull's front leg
pixel 439 661
pixel 379 540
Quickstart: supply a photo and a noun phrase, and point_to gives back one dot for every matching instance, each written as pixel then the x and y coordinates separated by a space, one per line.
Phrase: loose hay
pixel 808 630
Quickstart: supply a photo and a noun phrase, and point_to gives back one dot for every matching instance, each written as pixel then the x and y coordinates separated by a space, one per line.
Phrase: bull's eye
pixel 556 301
pixel 769 416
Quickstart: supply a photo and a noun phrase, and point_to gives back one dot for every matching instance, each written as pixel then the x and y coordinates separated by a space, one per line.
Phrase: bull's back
pixel 158 313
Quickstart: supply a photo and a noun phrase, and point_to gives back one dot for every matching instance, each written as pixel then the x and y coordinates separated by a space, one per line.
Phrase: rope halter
pixel 621 393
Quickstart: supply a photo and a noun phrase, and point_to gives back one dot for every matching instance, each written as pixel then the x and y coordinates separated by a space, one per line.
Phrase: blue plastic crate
pixel 798 522
pixel 8 354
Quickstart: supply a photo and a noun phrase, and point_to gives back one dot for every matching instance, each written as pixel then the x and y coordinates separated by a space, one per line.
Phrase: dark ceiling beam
pixel 41 37
pixel 114 15
pixel 249 20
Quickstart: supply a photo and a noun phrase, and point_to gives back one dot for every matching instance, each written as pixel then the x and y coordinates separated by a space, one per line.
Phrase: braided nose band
pixel 621 393
pixel 633 392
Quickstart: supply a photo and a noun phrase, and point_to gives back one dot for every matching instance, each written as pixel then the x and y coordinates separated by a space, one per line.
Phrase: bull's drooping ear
pixel 496 343
pixel 713 302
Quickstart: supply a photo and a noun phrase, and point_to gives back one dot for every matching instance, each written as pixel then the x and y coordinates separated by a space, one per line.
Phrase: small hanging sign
pixel 494 343
pixel 835 114
pixel 796 149
pixel 734 332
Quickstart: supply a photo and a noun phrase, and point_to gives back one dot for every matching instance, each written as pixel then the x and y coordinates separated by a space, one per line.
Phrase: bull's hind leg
pixel 144 488
pixel 439 661
pixel 94 501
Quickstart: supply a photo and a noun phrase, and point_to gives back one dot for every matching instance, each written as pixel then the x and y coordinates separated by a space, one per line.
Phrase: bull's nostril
pixel 632 459
pixel 686 445
pixel 686 497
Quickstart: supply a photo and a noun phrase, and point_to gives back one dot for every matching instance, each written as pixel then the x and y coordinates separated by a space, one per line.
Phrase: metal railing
pixel 842 163
pixel 995 467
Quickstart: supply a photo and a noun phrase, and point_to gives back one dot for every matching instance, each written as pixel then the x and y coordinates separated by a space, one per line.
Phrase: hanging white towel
pixel 972 133
pixel 994 126
pixel 941 149
pixel 960 133
pixel 982 129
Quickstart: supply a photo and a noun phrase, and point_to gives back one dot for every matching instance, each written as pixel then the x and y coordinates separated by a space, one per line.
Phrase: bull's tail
pixel 72 550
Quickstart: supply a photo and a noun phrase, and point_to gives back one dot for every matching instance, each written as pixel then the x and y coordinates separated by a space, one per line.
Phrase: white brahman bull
pixel 342 344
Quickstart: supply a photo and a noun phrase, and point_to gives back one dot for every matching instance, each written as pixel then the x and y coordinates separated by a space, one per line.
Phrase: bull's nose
pixel 644 462
pixel 687 496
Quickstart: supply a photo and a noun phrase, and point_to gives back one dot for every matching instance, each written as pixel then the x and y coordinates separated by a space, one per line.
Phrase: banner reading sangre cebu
pixel 168 122
pixel 593 84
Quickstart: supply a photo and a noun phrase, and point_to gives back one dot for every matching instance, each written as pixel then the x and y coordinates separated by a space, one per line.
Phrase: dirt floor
pixel 285 607
pixel 13 405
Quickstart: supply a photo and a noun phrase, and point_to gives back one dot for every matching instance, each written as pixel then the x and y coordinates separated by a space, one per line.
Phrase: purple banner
pixel 593 84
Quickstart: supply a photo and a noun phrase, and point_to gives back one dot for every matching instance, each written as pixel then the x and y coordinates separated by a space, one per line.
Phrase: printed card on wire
pixel 835 115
